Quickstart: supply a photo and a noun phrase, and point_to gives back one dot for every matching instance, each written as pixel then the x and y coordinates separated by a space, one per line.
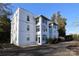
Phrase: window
pixel 28 38
pixel 28 28
pixel 44 37
pixel 44 21
pixel 37 20
pixel 44 28
pixel 27 18
pixel 50 26
pixel 37 28
pixel 39 39
pixel 55 26
pixel 36 37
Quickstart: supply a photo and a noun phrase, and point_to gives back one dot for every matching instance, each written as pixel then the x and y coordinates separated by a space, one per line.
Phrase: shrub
pixel 69 37
pixel 76 37
pixel 72 37
pixel 61 39
pixel 4 37
pixel 51 41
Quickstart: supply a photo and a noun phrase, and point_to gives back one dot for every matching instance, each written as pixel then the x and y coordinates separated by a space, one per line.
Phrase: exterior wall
pixel 39 35
pixel 14 28
pixel 44 26
pixel 54 31
pixel 42 33
pixel 23 34
pixel 48 29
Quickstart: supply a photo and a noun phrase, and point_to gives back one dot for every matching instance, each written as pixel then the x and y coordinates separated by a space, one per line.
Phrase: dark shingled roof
pixel 43 17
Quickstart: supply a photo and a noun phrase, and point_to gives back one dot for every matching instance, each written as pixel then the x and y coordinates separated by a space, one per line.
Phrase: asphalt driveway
pixel 59 49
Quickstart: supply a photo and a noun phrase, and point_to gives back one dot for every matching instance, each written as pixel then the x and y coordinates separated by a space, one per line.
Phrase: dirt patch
pixel 74 48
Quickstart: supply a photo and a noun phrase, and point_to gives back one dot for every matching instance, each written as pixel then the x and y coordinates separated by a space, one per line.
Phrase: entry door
pixel 38 41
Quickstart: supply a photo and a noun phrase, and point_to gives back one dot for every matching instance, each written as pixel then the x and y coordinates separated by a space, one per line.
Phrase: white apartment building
pixel 42 29
pixel 53 28
pixel 53 31
pixel 23 28
pixel 28 30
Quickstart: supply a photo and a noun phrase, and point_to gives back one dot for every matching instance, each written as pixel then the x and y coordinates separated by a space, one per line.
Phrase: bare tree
pixel 4 9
